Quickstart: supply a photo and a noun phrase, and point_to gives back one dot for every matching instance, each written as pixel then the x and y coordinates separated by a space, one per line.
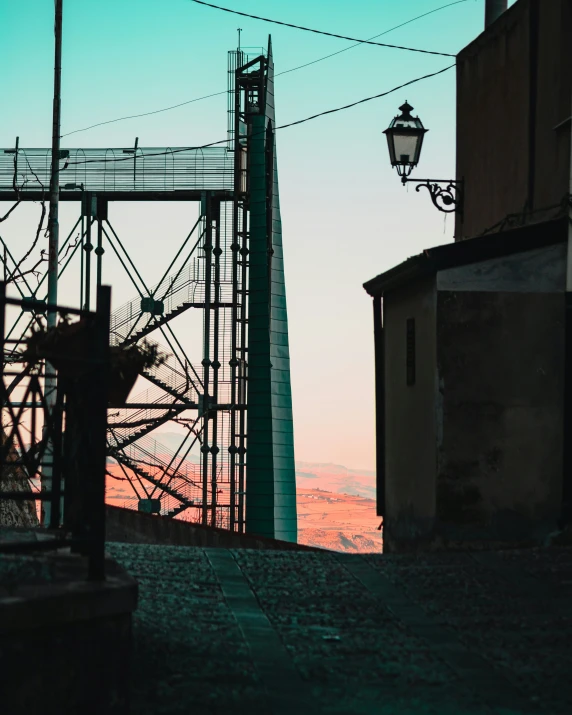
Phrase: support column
pixel 88 248
pixel 101 207
pixel 215 362
pixel 206 210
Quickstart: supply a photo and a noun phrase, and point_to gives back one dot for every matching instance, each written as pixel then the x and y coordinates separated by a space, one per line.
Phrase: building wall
pixel 541 270
pixel 410 437
pixel 514 95
pixel 501 369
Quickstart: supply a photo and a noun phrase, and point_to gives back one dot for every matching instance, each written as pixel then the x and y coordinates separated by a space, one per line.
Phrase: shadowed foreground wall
pixel 65 642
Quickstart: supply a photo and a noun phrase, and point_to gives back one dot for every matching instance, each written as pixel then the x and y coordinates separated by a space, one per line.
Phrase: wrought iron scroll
pixel 446 195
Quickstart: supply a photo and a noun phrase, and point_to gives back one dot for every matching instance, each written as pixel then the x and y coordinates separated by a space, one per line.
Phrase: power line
pixel 358 44
pixel 293 69
pixel 367 99
pixel 145 114
pixel 282 126
pixel 320 32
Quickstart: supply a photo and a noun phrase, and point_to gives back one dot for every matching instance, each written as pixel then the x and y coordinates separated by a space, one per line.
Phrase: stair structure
pixel 127 425
pixel 169 298
pixel 176 480
pixel 174 381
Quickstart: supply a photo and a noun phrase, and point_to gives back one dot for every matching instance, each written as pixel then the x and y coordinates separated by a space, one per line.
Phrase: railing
pixel 179 291
pixel 164 468
pixel 70 462
pixel 125 423
pixel 120 170
pixel 182 384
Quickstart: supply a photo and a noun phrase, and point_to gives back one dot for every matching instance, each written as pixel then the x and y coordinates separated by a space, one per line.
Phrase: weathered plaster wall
pixel 500 366
pixel 514 90
pixel 542 270
pixel 410 416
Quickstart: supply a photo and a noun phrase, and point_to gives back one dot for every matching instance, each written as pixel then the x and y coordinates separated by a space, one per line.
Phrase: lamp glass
pixel 405 139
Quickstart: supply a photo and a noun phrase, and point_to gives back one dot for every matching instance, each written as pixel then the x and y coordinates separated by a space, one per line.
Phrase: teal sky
pixel 345 215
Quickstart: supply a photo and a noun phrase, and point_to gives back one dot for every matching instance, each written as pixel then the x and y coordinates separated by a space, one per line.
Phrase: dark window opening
pixel 410 351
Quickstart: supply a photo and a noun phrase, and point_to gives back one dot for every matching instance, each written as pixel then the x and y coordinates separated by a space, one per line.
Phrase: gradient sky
pixel 345 215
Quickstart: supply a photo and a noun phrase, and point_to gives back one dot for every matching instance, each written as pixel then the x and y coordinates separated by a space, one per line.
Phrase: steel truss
pixel 209 273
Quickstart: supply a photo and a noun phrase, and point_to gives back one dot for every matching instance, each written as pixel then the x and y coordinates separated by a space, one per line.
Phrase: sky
pixel 345 215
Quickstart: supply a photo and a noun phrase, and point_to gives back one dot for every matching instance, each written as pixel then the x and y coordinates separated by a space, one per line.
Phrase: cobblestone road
pixel 267 632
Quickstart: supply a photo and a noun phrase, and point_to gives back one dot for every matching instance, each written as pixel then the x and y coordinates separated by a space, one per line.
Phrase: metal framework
pixel 227 403
pixel 67 438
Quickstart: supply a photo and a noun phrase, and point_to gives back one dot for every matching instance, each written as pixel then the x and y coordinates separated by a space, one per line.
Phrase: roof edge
pixel 472 250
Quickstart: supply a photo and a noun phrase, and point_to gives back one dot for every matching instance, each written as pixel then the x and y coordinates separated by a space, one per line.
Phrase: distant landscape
pixel 336 506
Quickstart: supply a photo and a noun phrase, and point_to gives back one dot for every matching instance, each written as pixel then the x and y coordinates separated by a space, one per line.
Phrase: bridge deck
pixel 144 174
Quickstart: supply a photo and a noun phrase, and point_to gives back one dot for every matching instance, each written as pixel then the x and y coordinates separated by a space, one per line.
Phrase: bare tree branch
pixel 12 277
pixel 10 210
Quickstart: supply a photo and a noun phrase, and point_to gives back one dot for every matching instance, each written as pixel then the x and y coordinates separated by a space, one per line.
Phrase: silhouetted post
pixel 566 514
pixel 95 435
pixel 53 227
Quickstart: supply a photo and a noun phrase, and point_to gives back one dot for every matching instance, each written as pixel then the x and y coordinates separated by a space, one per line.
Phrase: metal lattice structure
pixel 235 404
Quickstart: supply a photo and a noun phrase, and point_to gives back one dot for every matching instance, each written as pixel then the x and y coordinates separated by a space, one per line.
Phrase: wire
pixel 145 114
pixel 293 69
pixel 320 32
pixel 283 126
pixel 358 44
pixel 367 99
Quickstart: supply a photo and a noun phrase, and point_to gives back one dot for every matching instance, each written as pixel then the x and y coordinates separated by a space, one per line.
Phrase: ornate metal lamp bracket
pixel 446 195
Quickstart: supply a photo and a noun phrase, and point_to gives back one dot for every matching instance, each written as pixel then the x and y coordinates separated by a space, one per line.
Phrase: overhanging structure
pixel 230 266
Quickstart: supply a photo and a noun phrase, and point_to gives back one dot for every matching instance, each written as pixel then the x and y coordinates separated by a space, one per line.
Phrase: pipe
pixel 493 10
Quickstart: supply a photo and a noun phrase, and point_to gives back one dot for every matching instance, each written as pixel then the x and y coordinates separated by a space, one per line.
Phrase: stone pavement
pixel 271 632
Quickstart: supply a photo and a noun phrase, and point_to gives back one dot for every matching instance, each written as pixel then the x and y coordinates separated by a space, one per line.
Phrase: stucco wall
pixel 500 365
pixel 410 416
pixel 541 270
pixel 514 90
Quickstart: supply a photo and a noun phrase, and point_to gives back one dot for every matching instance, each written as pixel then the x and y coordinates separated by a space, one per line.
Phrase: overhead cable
pixel 282 126
pixel 321 32
pixel 278 74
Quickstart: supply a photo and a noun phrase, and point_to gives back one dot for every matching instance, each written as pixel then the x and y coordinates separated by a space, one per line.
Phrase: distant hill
pixel 309 475
pixel 336 505
pixel 340 522
pixel 335 478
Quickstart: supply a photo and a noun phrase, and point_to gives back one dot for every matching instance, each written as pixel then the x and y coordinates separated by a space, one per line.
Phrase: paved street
pixel 262 632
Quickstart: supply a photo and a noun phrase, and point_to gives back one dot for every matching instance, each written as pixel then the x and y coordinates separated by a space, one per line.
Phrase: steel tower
pixel 236 404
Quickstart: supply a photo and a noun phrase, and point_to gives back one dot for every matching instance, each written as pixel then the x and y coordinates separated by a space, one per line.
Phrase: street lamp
pixel 404 140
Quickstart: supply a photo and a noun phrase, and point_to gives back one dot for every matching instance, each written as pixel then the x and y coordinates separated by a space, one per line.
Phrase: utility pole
pixel 53 245
pixel 494 9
